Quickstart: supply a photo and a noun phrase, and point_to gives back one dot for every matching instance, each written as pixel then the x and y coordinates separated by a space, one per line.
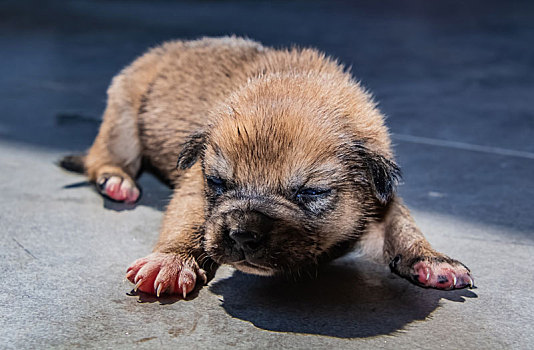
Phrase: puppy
pixel 279 161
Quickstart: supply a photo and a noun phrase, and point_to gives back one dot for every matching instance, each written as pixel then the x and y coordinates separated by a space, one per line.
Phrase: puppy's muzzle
pixel 250 231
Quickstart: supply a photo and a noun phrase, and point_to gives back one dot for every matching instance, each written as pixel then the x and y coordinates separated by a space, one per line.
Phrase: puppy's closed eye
pixel 217 184
pixel 310 194
pixel 314 200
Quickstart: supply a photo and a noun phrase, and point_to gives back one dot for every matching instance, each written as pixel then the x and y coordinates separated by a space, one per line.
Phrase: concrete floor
pixel 457 83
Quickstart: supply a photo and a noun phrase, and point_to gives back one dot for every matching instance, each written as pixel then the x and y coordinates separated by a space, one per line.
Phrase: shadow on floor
pixel 342 302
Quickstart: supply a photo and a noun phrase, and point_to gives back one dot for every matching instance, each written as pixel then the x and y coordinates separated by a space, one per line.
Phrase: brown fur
pixel 269 123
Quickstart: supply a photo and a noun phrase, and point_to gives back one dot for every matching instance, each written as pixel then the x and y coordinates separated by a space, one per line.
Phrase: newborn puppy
pixel 278 158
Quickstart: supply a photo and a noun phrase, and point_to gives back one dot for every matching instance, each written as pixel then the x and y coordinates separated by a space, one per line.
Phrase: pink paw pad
pixel 442 275
pixel 160 273
pixel 119 189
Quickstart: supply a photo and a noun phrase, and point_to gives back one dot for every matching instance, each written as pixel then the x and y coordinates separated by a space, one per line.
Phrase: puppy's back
pixel 176 87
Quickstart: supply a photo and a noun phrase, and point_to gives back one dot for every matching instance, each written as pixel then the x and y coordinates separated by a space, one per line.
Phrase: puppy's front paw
pixel 434 272
pixel 165 273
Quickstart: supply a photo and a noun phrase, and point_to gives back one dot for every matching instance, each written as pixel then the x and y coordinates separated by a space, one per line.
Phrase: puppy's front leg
pixel 410 255
pixel 173 267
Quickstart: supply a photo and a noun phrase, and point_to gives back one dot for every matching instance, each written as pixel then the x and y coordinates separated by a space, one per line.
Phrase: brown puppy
pixel 279 160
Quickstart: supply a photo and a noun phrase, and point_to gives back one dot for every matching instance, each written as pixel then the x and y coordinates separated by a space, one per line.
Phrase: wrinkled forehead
pixel 276 151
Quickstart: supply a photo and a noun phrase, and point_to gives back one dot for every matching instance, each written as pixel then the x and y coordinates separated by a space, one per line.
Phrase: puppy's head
pixel 286 180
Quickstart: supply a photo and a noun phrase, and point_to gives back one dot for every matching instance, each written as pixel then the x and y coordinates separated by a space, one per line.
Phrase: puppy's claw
pixel 138 284
pixel 130 274
pixel 184 292
pixel 471 284
pixel 158 290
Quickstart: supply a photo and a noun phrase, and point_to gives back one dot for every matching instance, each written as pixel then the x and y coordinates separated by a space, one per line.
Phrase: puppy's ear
pixel 383 173
pixel 192 149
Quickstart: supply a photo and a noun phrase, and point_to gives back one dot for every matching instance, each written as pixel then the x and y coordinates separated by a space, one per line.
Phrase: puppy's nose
pixel 247 240
pixel 253 227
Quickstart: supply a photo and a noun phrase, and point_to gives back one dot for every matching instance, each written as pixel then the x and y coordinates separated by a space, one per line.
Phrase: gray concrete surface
pixel 456 80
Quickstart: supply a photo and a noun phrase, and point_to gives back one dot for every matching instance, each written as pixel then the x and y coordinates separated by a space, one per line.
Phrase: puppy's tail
pixel 73 162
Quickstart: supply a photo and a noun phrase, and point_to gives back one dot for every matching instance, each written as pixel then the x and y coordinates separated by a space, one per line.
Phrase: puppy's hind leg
pixel 397 240
pixel 114 160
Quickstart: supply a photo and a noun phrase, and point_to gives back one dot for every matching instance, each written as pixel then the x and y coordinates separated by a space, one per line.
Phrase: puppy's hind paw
pixel 434 272
pixel 118 188
pixel 160 273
